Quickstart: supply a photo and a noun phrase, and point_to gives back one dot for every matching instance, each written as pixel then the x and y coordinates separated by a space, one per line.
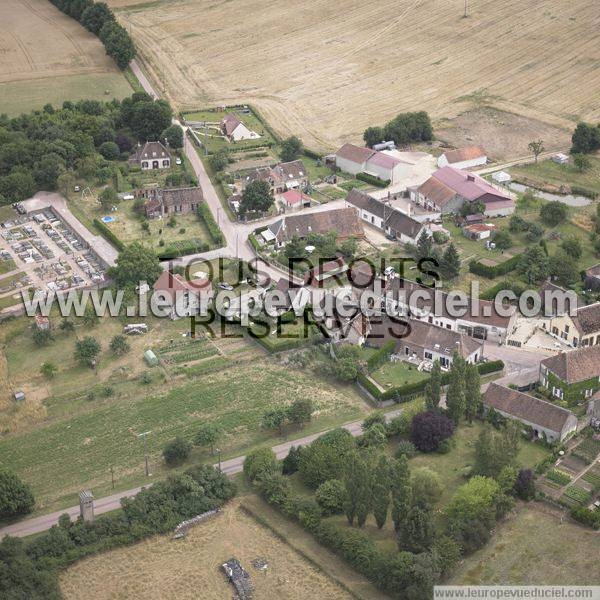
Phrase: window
pixel 589 393
pixel 567 328
pixel 406 351
pixel 444 361
pixel 557 392
pixel 145 165
pixel 555 330
pixel 429 356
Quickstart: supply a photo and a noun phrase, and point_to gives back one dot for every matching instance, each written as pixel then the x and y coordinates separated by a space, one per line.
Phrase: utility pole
pixel 112 476
pixel 219 453
pixel 466 10
pixel 145 436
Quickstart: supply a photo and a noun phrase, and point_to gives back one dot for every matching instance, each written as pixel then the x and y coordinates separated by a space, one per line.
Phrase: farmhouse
pixel 431 306
pixel 282 177
pixel 355 159
pixel 546 419
pixel 172 201
pixel 420 341
pixel 183 298
pixel 573 376
pixel 581 328
pixel 386 218
pixel 344 221
pixel 235 131
pixel 463 158
pixel 152 155
pixel 448 189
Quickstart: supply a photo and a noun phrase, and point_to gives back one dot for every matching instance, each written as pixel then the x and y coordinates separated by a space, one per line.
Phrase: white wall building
pixel 463 158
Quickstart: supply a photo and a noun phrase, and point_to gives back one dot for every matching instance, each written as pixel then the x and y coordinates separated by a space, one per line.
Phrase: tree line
pixel 48 149
pixel 403 129
pixel 98 18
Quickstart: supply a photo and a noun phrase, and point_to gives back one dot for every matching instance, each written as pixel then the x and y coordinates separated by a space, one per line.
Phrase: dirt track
pixel 326 70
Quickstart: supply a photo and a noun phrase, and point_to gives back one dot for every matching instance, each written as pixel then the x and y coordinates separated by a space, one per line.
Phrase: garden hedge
pixel 213 229
pixel 380 356
pixel 488 272
pixel 373 180
pixel 108 234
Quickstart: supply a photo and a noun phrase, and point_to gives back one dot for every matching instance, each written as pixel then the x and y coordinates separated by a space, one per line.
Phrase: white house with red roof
pixel 235 131
pixel 355 159
pixel 183 297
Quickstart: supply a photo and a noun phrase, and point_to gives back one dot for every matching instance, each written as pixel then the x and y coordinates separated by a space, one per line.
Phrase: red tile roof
pixel 354 153
pixel 462 154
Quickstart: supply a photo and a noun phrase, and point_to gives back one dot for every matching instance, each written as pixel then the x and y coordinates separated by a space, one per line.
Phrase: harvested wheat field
pixel 190 568
pixel 46 56
pixel 326 70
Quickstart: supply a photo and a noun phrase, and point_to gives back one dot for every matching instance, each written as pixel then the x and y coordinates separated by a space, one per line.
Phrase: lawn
pixel 398 374
pixel 159 567
pixel 6 266
pixel 548 172
pixel 216 142
pixel 535 545
pixel 65 438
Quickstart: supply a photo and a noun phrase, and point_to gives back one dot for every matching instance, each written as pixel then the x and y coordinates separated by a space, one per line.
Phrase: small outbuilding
pixel 19 396
pixel 560 158
pixel 501 177
pixel 151 358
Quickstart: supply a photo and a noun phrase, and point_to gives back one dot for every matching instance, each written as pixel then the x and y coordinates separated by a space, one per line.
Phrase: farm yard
pixel 161 567
pixel 421 55
pixel 74 428
pixel 70 64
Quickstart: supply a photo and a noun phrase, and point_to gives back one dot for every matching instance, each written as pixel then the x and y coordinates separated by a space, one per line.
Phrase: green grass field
pixel 534 546
pixel 398 374
pixel 23 96
pixel 214 141
pixel 549 172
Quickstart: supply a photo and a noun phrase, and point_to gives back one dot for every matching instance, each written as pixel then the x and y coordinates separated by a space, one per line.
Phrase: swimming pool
pixel 107 219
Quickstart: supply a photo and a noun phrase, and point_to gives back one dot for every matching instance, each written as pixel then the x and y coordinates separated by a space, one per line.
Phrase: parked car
pixel 178 161
pixel 225 286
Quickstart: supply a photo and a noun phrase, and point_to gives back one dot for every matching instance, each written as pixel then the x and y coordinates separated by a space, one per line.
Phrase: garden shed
pixel 151 358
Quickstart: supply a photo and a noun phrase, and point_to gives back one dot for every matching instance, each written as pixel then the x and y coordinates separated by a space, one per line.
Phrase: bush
pixel 16 497
pixel 380 356
pixel 109 150
pixel 586 517
pixel 405 448
pixel 429 429
pixel 489 272
pixel 554 213
pixel 259 463
pixel 330 497
pixel 177 451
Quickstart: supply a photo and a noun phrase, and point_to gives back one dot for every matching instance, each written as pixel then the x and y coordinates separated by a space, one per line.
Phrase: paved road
pixel 113 502
pixel 524 160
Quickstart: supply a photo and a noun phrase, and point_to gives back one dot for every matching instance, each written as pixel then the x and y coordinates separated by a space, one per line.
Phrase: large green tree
pixel 417 530
pixel 401 490
pixel 381 490
pixel 433 388
pixel 472 392
pixel 256 197
pixel 136 263
pixel 450 262
pixel 15 496
pixel 455 396
pixel 358 484
pixel 291 149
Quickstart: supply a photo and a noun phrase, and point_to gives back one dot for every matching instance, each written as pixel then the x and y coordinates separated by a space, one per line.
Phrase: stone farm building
pixel 399 295
pixel 343 221
pixel 420 341
pixel 385 218
pixel 546 419
pixel 355 159
pixel 152 155
pixel 235 131
pixel 282 177
pixel 448 189
pixel 580 328
pixel 573 376
pixel 463 158
pixel 172 201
